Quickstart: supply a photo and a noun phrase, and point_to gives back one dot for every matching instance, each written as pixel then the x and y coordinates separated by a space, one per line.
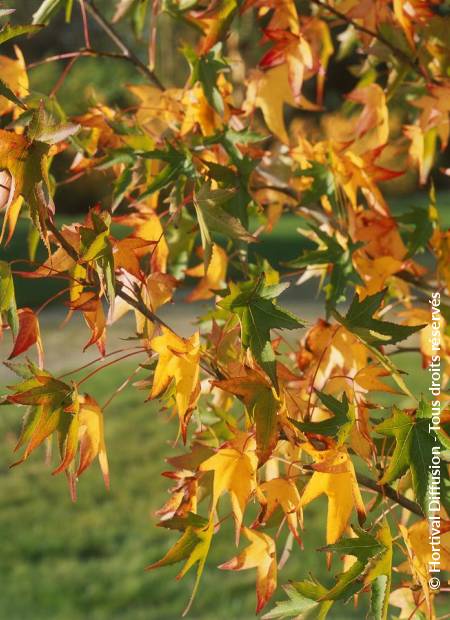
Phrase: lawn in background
pixel 85 561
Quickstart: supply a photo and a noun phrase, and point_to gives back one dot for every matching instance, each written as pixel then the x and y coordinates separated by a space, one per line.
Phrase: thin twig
pixel 96 370
pixel 87 40
pixel 62 78
pixel 120 43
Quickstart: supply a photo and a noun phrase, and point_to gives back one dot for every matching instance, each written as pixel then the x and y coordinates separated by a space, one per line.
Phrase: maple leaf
pixel 414 443
pixel 28 334
pixel 292 49
pixel 212 216
pixel 56 407
pixel 305 602
pixel 417 539
pixel 373 560
pixel 338 256
pixel 15 78
pixel 212 277
pixel 373 122
pixel 270 90
pixel 193 546
pixel 96 249
pixel 91 306
pixel 360 321
pixel 235 472
pixel 258 314
pixel 8 305
pixel 214 21
pixel 260 554
pixel 334 475
pixel 126 253
pixel 147 225
pixel 338 426
pixel 26 161
pixel 279 492
pixel 262 405
pixel 179 360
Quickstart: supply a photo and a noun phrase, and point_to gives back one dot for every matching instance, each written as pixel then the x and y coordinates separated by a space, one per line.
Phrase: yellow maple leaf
pixel 260 554
pixel 234 468
pixel 375 273
pixel 372 125
pixel 284 493
pixel 422 150
pixel 335 477
pixel 158 110
pixel 15 76
pixel 179 360
pixel 213 279
pixel 91 436
pixel 197 111
pixel 270 90
pixel 419 552
pixel 147 225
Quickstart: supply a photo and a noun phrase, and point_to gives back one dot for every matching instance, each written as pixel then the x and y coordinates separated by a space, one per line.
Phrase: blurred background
pixel 64 561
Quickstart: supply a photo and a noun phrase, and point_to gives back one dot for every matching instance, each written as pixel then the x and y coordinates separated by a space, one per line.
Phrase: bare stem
pixel 391 493
pixel 120 43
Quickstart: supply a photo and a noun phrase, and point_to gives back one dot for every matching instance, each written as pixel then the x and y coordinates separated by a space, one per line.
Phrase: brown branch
pixel 391 493
pixel 120 43
pixel 376 35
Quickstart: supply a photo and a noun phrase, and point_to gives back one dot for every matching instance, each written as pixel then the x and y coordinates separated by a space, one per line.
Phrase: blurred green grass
pixel 65 561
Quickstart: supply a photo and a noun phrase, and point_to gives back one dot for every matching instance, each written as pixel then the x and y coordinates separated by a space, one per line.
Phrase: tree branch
pixel 120 43
pixel 388 491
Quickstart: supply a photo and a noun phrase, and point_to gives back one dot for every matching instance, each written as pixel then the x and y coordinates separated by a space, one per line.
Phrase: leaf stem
pixel 118 359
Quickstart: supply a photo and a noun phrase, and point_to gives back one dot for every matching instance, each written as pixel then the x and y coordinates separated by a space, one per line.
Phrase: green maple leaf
pixel 193 546
pixel 206 70
pixel 414 443
pixel 338 426
pixel 8 298
pixel 373 332
pixel 212 216
pixel 96 247
pixel 373 553
pixel 360 321
pixel 419 228
pixel 258 312
pixel 303 604
pixel 343 272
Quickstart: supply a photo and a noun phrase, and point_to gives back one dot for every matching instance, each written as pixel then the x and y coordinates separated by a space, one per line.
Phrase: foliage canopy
pixel 274 410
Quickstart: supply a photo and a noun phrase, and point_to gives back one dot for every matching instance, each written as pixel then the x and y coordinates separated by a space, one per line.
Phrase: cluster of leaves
pixel 198 173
